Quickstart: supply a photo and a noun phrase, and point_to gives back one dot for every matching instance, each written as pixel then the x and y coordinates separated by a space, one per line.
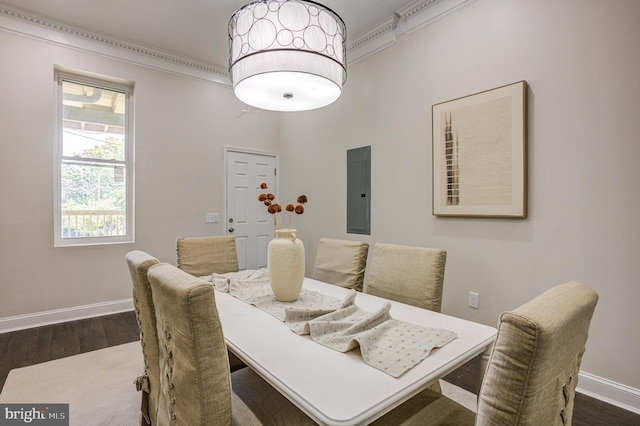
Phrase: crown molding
pixel 377 38
pixel 407 20
pixel 372 41
pixel 56 33
pixel 426 12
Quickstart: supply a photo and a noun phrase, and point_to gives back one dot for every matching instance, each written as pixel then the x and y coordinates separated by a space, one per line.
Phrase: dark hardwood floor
pixel 49 342
pixel 40 344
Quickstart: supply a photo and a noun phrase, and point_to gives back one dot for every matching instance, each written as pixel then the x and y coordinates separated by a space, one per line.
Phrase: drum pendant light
pixel 287 55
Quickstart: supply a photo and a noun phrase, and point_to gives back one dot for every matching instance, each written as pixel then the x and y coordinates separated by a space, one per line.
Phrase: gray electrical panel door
pixel 359 190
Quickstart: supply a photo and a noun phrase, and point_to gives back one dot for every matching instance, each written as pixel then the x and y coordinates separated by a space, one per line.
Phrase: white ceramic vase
pixel 285 263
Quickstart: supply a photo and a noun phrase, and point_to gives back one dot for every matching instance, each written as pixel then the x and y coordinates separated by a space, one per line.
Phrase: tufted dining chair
pixel 202 256
pixel 341 262
pixel 532 372
pixel 195 380
pixel 139 263
pixel 411 275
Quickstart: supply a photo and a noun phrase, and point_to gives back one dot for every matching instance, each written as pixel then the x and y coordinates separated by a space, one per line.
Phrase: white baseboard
pixel 608 391
pixel 20 322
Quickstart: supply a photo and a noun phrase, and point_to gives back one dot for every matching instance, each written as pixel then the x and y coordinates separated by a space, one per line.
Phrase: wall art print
pixel 480 154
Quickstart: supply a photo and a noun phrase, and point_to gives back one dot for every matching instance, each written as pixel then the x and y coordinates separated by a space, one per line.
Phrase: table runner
pixel 387 344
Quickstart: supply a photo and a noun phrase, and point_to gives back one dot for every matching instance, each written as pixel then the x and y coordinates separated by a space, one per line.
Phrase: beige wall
pixel 582 62
pixel 182 125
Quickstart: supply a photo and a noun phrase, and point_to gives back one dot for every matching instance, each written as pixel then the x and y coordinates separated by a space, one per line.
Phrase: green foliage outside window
pixel 94 192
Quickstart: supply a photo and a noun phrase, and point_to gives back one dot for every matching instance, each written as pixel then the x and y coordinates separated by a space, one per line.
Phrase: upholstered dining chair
pixel 532 372
pixel 341 262
pixel 202 256
pixel 139 263
pixel 411 275
pixel 195 381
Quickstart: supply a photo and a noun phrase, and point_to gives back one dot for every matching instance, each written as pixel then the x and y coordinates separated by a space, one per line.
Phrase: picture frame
pixel 479 154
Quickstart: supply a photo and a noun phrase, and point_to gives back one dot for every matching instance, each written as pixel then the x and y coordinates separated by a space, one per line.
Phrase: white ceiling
pixel 195 29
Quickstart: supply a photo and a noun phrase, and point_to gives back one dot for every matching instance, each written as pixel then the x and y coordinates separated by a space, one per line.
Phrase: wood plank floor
pixel 46 343
pixel 31 346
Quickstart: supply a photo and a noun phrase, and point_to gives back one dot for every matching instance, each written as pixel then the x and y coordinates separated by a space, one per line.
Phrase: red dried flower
pixel 274 208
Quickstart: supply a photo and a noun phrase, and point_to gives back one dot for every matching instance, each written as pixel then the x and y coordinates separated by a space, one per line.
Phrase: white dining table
pixel 336 388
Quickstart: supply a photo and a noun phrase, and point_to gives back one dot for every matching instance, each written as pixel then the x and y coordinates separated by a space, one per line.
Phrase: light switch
pixel 212 218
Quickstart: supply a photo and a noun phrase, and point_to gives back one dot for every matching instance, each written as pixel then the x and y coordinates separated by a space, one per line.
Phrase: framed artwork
pixel 480 154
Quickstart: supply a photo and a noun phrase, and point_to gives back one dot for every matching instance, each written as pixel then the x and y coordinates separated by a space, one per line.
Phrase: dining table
pixel 335 387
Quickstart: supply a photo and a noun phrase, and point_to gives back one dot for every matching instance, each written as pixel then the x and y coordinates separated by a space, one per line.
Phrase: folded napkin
pixel 297 316
pixel 387 344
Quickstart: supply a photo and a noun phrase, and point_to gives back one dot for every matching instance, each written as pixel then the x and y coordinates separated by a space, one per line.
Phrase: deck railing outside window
pixel 93 223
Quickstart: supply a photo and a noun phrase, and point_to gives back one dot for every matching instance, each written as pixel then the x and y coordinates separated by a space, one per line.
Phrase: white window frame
pixel 106 83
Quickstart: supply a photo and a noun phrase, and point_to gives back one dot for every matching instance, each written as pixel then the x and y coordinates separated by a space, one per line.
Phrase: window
pixel 94 161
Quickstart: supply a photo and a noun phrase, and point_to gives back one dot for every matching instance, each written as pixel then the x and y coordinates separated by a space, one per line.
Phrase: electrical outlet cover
pixel 474 299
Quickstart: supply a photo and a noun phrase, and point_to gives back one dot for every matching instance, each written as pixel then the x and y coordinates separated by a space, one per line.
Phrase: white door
pixel 246 218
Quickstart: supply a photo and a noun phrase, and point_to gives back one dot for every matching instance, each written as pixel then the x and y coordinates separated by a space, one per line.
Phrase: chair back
pixel 139 263
pixel 533 369
pixel 202 256
pixel 195 383
pixel 411 275
pixel 341 262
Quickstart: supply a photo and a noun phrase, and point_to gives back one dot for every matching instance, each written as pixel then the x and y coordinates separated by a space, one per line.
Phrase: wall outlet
pixel 212 218
pixel 474 299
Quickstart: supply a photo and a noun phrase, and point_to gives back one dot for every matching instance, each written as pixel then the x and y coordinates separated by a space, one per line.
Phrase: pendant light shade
pixel 287 55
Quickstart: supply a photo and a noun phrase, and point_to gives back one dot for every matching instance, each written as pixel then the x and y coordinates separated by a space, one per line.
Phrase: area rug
pixel 461 396
pixel 98 386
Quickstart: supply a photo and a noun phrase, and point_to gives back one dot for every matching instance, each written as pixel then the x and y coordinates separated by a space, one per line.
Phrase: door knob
pixel 231 229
